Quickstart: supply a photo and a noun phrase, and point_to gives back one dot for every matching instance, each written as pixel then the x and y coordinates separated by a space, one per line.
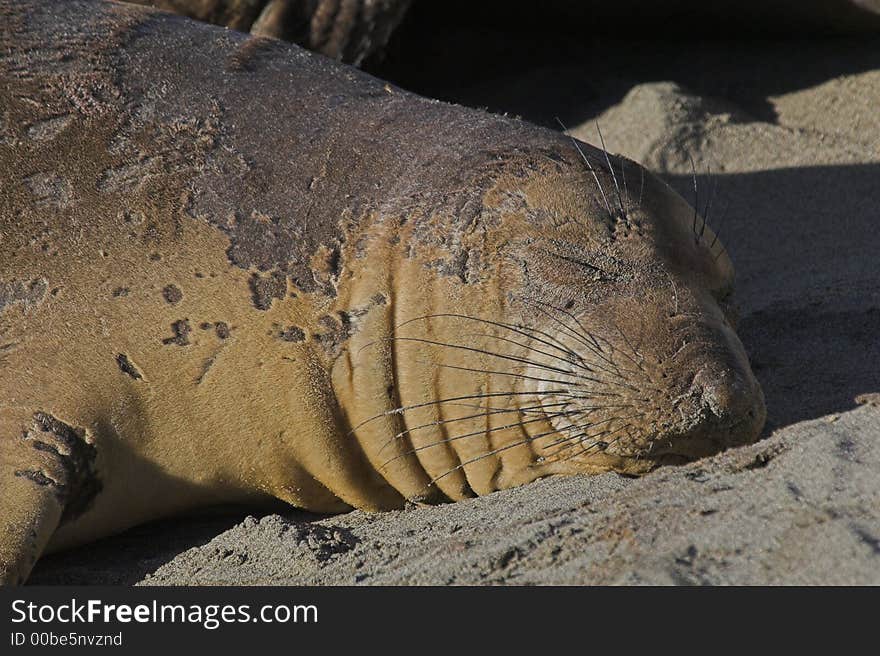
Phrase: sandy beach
pixel 786 134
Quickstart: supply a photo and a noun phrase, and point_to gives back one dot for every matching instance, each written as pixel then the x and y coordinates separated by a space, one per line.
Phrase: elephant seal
pixel 233 271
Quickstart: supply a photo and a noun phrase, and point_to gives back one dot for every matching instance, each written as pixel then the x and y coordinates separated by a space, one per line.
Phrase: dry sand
pixel 791 131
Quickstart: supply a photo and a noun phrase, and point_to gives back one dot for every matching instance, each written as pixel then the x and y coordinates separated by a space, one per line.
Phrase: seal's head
pixel 610 343
pixel 632 306
pixel 547 315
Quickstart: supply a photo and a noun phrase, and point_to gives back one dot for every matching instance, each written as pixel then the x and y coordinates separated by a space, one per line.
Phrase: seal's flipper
pixel 47 469
pixel 29 514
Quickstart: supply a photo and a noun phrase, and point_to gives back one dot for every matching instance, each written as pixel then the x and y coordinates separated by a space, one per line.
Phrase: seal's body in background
pixel 348 30
pixel 231 270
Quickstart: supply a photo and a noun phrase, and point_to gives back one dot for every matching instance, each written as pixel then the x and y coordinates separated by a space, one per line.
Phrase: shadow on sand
pixel 543 68
pixel 805 243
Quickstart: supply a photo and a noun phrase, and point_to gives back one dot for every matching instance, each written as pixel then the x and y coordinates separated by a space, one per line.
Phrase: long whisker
pixel 629 344
pixel 567 330
pixel 622 352
pixel 488 454
pixel 526 440
pixel 525 331
pixel 601 445
pixel 592 367
pixel 578 439
pixel 597 424
pixel 711 198
pixel 611 168
pixel 471 349
pixel 641 184
pixel 720 222
pixel 487 412
pixel 571 399
pixel 532 363
pixel 588 165
pixel 589 435
pixel 581 339
pixel 476 433
pixel 468 397
pixel 696 193
pixel 571 359
pixel 578 335
pixel 521 376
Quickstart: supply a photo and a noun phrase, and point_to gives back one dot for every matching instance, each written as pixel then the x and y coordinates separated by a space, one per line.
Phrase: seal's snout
pixel 721 408
pixel 655 388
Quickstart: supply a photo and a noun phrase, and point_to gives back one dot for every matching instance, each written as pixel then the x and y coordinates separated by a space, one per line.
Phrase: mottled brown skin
pixel 218 254
pixel 347 30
